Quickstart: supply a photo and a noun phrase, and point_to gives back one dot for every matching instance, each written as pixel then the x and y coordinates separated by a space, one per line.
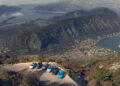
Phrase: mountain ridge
pixel 80 13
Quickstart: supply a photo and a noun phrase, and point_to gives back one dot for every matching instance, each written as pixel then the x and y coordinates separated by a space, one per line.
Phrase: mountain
pixel 79 13
pixel 61 35
pixel 8 9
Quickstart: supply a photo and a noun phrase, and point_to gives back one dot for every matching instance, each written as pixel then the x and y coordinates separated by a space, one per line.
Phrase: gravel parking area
pixel 48 78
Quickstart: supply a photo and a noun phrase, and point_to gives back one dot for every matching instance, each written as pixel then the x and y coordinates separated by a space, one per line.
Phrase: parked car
pixel 61 74
pixel 50 68
pixel 45 66
pixel 39 65
pixel 55 71
pixel 33 65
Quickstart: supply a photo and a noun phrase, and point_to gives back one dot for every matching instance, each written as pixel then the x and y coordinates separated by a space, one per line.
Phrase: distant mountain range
pixel 78 26
pixel 72 5
pixel 61 7
pixel 79 13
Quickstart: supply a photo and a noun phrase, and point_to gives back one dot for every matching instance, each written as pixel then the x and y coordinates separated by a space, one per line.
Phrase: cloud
pixel 81 3
pixel 4 16
pixel 17 14
pixel 89 4
pixel 93 2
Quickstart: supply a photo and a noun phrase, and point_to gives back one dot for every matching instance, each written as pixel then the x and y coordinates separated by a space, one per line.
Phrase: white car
pixel 50 68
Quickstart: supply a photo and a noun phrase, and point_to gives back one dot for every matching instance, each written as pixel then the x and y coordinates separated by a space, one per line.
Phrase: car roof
pixel 61 71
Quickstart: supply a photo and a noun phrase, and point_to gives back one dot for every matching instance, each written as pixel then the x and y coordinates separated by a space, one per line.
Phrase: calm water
pixel 111 43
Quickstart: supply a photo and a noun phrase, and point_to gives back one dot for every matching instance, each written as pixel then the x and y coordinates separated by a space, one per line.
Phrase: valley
pixel 73 35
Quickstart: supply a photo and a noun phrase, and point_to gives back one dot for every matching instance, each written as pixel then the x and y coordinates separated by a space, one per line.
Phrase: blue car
pixel 61 74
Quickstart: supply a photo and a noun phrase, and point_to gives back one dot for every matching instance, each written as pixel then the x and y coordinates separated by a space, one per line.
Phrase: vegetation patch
pixel 9 78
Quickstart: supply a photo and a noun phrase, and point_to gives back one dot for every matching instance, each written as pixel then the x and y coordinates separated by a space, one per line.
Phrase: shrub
pixel 73 65
pixel 116 78
pixel 102 74
pixel 9 78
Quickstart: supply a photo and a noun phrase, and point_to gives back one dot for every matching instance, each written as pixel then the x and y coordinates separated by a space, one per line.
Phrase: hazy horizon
pixel 20 2
pixel 79 2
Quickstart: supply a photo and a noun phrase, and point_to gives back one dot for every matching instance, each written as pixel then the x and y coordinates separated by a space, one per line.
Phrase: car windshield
pixel 50 67
pixel 56 69
pixel 32 64
pixel 39 63
pixel 61 73
pixel 46 64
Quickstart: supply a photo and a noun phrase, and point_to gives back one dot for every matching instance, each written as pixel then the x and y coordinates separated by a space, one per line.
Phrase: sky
pixel 89 3
pixel 19 2
pixel 96 3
